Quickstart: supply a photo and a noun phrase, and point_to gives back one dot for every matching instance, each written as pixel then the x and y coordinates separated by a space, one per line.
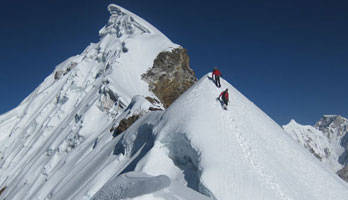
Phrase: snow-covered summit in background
pixel 327 139
pixel 64 141
pixel 313 140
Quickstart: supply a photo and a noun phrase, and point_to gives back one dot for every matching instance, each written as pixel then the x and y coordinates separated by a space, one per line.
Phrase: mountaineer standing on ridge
pixel 224 96
pixel 217 75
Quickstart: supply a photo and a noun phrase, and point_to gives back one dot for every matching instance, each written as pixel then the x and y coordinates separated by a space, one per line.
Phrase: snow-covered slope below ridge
pixel 224 154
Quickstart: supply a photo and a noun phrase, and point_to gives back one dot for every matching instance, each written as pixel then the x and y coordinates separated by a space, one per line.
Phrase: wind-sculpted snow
pixel 140 186
pixel 127 186
pixel 121 23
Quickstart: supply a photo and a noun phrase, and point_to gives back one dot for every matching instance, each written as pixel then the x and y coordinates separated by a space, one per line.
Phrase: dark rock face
pixel 60 73
pixel 2 190
pixel 343 173
pixel 124 125
pixel 170 75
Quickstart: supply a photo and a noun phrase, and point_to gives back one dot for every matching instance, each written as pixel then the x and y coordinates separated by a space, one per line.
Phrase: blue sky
pixel 289 57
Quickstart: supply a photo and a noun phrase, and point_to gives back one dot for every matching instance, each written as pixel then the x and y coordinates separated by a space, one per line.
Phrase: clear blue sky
pixel 289 57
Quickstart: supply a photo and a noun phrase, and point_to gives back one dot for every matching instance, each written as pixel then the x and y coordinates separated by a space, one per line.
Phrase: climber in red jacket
pixel 217 75
pixel 224 95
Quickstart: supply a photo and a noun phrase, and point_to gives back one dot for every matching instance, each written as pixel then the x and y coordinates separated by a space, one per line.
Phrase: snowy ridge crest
pixel 122 23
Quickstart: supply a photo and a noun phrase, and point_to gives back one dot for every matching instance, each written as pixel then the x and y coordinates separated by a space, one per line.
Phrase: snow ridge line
pixel 247 150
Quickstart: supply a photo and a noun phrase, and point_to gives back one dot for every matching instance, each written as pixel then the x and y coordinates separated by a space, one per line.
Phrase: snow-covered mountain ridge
pixel 225 154
pixel 57 144
pixel 72 111
pixel 327 140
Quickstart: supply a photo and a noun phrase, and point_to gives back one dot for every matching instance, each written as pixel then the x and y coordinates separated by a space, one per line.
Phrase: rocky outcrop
pixel 334 127
pixel 60 73
pixel 343 173
pixel 170 75
pixel 2 190
pixel 124 125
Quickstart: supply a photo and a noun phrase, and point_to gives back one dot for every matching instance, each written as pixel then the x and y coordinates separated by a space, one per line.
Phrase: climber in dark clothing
pixel 217 75
pixel 224 96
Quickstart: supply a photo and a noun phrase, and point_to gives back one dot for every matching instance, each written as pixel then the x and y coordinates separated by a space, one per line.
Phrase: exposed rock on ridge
pixel 170 75
pixel 124 125
pixel 343 173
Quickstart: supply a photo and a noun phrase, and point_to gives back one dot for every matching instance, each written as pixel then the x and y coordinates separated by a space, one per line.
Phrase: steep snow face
pixel 227 154
pixel 327 140
pixel 47 140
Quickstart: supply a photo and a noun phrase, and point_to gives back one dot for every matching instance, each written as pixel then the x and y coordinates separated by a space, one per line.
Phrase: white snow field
pixel 57 144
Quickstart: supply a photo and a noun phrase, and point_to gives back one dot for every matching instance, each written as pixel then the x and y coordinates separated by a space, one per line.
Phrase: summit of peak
pixel 115 9
pixel 292 121
pixel 123 23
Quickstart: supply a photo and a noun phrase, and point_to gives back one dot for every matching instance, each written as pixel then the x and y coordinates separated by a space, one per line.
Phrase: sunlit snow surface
pixel 57 144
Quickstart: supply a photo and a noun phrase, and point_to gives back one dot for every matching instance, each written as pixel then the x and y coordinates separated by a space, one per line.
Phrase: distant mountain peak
pixel 333 126
pixel 327 140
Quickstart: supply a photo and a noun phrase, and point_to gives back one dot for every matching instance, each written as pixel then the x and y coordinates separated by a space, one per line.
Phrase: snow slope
pixel 57 143
pixel 140 186
pixel 227 154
